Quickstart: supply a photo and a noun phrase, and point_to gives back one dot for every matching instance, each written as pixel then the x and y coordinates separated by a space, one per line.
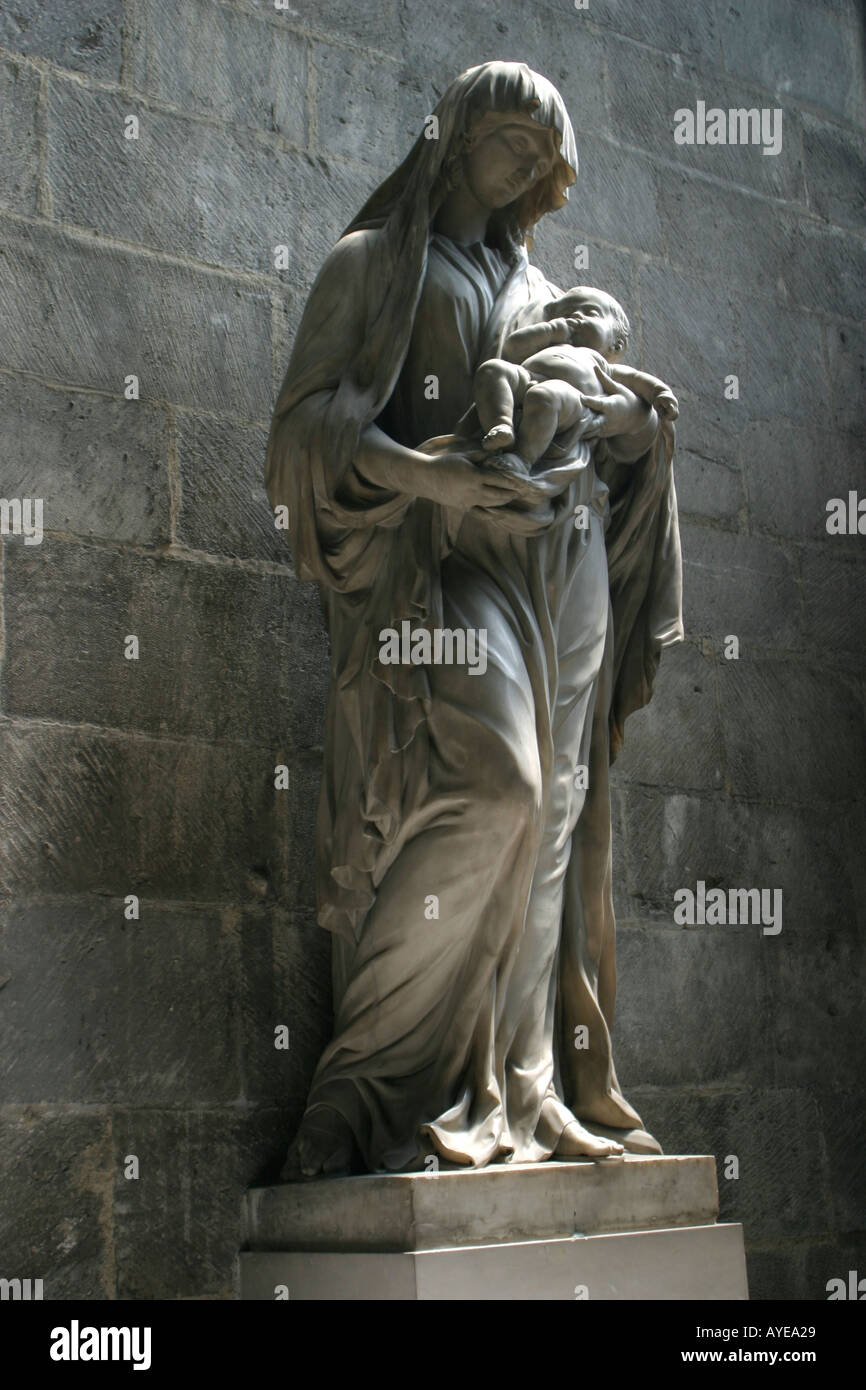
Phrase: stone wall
pixel 153 257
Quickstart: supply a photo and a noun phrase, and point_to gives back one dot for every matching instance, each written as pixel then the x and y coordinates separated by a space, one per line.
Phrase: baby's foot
pixel 500 437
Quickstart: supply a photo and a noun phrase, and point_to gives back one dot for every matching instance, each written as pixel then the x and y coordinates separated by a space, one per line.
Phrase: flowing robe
pixel 460 1027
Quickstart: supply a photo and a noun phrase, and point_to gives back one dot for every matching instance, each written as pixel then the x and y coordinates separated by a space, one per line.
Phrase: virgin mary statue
pixel 463 836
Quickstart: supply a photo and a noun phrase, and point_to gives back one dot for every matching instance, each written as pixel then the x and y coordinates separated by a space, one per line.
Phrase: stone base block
pixel 631 1228
pixel 686 1262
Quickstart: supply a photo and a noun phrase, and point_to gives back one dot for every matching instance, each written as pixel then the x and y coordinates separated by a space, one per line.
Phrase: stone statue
pixel 464 838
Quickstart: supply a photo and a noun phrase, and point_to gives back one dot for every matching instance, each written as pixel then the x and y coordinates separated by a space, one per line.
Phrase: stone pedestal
pixel 631 1228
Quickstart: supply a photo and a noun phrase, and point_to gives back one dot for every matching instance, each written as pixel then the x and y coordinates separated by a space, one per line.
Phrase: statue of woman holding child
pixel 464 837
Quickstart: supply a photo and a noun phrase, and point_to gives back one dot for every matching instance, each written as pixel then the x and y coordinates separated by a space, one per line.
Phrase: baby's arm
pixel 649 388
pixel 525 342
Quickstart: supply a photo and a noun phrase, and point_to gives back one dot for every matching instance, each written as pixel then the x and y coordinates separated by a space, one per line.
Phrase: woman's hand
pixel 450 478
pixel 457 480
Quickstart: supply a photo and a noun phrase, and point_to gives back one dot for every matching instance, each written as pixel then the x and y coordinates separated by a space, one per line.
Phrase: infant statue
pixel 549 374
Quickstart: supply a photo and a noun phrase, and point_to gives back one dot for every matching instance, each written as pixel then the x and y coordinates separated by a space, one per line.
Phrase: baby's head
pixel 598 320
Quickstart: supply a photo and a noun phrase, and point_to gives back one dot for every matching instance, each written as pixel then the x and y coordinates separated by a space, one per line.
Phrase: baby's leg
pixel 548 407
pixel 498 387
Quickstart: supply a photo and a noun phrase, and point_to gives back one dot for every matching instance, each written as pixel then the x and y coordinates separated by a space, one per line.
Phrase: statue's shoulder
pixel 353 251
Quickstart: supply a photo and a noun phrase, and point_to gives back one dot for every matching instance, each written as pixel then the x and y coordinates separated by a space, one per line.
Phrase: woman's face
pixel 504 164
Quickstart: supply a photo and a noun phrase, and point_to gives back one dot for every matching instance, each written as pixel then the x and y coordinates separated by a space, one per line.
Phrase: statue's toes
pixel 614 1151
pixel 576 1140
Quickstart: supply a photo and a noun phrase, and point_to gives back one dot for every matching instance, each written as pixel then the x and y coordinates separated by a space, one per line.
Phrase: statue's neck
pixel 462 218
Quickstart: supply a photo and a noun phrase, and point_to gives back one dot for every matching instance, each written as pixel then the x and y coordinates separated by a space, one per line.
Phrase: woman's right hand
pixel 457 480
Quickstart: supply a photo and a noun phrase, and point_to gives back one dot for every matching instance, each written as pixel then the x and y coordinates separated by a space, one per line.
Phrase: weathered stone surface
pixel 78 34
pixel 685 26
pixel 19 90
pixel 98 813
pixel 695 209
pixel 792 471
pixel 741 586
pixel 841 1121
pixel 216 61
pixel 337 192
pixel 835 607
pixel 99 464
pixel 285 980
pixel 101 1009
pixel 224 509
pixel 555 41
pixel 295 810
pixel 708 489
pixel 825 268
pixel 783 1188
pixel 183 187
pixel 353 89
pixel 835 160
pixel 778 357
pixel 707 466
pixel 56 1218
pixel 647 89
pixel 286 314
pixel 796 51
pixel 617 189
pixel 675 839
pixel 552 38
pixel 177 1227
pixel 777 1273
pixel 703 987
pixel 689 332
pixel 685 691
pixel 833 1260
pixel 810 859
pixel 197 339
pixel 186 678
pixel 812 746
pixel 368 26
pixel 846 354
pixel 815 998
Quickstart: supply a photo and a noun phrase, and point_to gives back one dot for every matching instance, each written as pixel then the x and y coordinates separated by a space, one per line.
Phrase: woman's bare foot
pixel 322 1147
pixel 575 1140
pixel 634 1141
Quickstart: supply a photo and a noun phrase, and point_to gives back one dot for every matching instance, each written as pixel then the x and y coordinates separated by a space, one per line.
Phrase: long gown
pixel 475 1029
